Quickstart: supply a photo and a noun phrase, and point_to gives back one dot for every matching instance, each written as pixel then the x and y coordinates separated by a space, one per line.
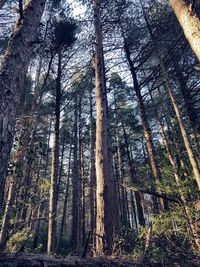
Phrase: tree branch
pixel 153 193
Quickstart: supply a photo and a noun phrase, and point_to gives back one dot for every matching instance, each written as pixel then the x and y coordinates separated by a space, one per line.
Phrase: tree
pixel 18 53
pixel 189 22
pixel 106 210
pixel 60 44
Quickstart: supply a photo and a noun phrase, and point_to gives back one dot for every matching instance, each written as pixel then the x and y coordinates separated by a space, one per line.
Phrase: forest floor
pixel 39 260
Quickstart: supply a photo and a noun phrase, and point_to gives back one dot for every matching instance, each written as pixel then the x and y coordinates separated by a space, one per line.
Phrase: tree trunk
pixel 92 178
pixel 181 123
pixel 75 180
pixel 140 213
pixel 80 178
pixel 64 212
pixel 20 155
pixel 175 106
pixel 146 130
pixel 189 22
pixel 6 217
pixel 119 177
pixel 122 194
pixel 106 211
pixel 177 178
pixel 55 167
pixel 12 79
pixel 189 105
pixel 60 173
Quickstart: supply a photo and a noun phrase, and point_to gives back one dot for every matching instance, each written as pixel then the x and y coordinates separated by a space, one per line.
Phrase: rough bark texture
pixel 189 22
pixel 12 76
pixel 55 167
pixel 81 200
pixel 92 172
pixel 105 221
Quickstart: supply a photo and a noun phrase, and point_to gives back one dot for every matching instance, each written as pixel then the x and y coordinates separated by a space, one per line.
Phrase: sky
pixel 78 9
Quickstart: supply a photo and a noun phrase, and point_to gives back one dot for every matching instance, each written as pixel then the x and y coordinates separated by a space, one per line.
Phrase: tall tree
pixel 106 211
pixel 60 44
pixel 18 53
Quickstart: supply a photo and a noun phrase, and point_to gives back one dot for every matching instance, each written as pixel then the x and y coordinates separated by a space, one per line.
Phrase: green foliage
pixel 170 240
pixel 19 240
pixel 125 242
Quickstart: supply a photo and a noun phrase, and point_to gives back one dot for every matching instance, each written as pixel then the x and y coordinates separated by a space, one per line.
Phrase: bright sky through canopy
pixel 78 9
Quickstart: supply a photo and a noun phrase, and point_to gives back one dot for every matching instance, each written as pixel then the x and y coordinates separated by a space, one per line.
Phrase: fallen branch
pixel 153 193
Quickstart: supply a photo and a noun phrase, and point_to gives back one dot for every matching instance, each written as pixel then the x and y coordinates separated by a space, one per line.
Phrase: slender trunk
pixel 12 79
pixel 75 180
pixel 80 178
pixel 61 167
pixel 122 198
pixel 55 167
pixel 175 106
pixel 14 183
pixel 92 178
pixel 189 22
pixel 145 124
pixel 134 180
pixel 37 228
pixel 106 211
pixel 186 92
pixel 181 123
pixel 6 217
pixel 134 215
pixel 177 178
pixel 64 212
pixel 119 179
pixel 48 147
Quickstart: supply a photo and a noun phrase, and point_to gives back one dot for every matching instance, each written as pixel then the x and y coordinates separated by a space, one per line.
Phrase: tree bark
pixel 6 217
pixel 12 77
pixel 55 166
pixel 189 22
pixel 106 211
pixel 92 178
pixel 64 212
pixel 75 180
pixel 80 178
